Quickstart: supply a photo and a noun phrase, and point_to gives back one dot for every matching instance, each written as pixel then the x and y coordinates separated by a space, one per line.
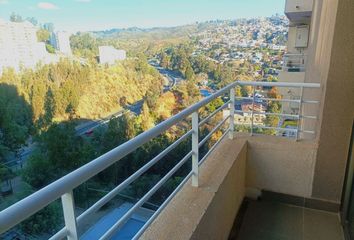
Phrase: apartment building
pixel 109 55
pixel 61 42
pixel 19 46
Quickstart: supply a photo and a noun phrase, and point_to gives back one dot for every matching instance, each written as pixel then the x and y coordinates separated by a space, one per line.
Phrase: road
pixel 80 130
pixel 173 77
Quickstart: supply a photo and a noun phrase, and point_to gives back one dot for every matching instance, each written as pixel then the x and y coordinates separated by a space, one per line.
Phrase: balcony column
pixel 195 149
pixel 252 116
pixel 69 215
pixel 300 114
pixel 232 113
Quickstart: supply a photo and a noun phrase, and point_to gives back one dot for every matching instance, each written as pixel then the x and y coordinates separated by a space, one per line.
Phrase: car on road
pixel 89 132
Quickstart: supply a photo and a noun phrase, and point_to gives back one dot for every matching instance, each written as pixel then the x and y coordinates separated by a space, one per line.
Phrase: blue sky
pixel 74 15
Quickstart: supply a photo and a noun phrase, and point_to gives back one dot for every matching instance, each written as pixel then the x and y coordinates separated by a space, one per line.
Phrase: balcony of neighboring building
pixel 298 10
pixel 294 62
pixel 294 68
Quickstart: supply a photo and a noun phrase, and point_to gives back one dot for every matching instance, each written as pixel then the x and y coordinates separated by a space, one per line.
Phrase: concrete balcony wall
pixel 298 10
pixel 279 165
pixel 291 40
pixel 206 212
pixel 292 77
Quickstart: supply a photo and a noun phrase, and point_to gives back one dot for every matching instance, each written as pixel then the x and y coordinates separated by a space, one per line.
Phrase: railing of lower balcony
pixel 293 62
pixel 63 187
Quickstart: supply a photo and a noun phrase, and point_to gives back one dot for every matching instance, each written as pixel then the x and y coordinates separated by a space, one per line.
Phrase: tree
pixel 50 48
pixel 43 35
pixel 119 130
pixel 189 73
pixel 238 91
pixel 37 97
pixel 15 17
pixel 5 174
pixel 49 106
pixel 32 20
pixel 246 91
pixel 217 74
pixel 15 119
pixel 123 101
pixel 84 45
pixel 147 120
pixel 47 220
pixel 60 151
pixel 38 171
pixel 166 106
pixel 272 120
pixel 213 105
pixel 164 60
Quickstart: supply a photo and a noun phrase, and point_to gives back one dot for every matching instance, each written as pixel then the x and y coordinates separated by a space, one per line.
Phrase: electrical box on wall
pixel 302 36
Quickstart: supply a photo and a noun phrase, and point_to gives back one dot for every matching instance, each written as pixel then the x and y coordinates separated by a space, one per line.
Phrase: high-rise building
pixel 49 27
pixel 61 42
pixel 19 46
pixel 108 54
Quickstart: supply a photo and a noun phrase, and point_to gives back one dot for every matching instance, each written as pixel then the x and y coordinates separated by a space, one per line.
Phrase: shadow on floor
pixel 264 220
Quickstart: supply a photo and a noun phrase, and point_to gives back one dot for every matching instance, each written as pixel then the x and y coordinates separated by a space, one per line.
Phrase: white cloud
pixel 4 1
pixel 47 6
pixel 83 1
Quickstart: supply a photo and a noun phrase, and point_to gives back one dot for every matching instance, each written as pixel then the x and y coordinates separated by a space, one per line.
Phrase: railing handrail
pixel 295 55
pixel 26 207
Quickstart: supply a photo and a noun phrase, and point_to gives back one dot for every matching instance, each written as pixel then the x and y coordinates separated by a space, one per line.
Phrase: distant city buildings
pixel 109 55
pixel 246 112
pixel 49 27
pixel 19 46
pixel 238 40
pixel 61 42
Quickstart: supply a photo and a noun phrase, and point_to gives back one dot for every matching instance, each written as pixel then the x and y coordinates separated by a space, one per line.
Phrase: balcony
pixel 249 162
pixel 298 10
pixel 294 67
pixel 294 62
pixel 244 161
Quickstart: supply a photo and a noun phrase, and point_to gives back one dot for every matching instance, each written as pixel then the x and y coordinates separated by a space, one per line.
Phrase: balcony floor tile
pixel 278 221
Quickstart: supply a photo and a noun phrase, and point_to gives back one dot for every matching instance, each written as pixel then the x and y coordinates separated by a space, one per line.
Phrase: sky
pixel 88 15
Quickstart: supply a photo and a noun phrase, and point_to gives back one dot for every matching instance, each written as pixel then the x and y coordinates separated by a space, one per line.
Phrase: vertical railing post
pixel 69 215
pixel 195 149
pixel 299 121
pixel 232 113
pixel 253 99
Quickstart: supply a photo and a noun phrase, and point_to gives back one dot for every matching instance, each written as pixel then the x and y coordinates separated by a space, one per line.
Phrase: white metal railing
pixel 294 62
pixel 63 187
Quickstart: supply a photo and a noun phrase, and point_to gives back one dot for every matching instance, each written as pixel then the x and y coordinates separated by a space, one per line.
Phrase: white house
pixel 108 54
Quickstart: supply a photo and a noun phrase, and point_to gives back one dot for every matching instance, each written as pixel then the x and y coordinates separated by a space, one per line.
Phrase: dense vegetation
pixel 71 90
pixel 134 42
